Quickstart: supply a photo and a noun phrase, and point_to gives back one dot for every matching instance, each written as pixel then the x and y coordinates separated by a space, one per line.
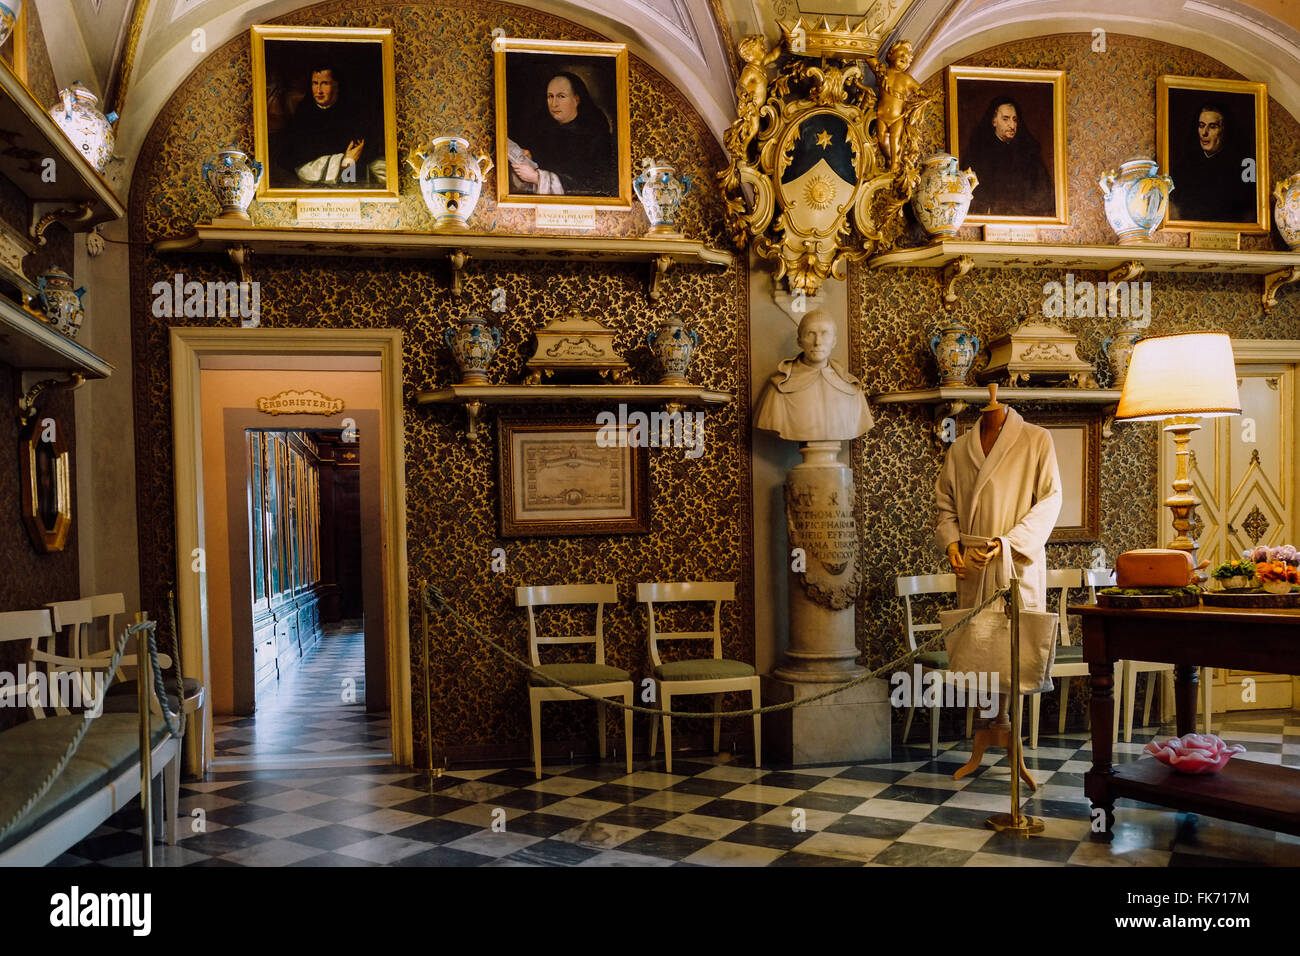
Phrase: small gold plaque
pixel 1003 232
pixel 294 402
pixel 329 211
pixel 1213 239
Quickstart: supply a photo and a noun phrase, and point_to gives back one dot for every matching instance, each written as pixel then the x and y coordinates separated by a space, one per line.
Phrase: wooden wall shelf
pixel 78 197
pixel 239 242
pixel 1121 263
pixel 476 398
pixel 951 401
pixel 30 345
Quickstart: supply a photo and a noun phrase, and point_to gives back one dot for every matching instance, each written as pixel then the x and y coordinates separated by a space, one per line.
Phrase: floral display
pixel 1284 552
pixel 1194 753
pixel 1236 568
pixel 1277 572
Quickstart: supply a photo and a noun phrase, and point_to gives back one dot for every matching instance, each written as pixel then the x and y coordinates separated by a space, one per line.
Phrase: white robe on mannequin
pixel 1013 494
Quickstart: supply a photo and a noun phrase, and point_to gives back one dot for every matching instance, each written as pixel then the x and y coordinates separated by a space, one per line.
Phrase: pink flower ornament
pixel 1194 753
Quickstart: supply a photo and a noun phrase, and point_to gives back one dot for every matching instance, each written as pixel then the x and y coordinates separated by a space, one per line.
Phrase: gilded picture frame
pixel 1210 162
pixel 1076 437
pixel 1021 164
pixel 555 479
pixel 300 76
pixel 14 50
pixel 45 483
pixel 567 126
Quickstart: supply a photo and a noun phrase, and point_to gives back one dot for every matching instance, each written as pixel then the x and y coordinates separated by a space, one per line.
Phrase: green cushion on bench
pixel 706 669
pixel 121 688
pixel 578 674
pixel 29 751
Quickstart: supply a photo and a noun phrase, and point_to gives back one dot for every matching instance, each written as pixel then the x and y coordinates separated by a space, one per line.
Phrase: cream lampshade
pixel 1181 377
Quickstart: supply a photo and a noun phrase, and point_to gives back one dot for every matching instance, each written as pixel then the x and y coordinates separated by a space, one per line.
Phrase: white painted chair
pixel 710 675
pixel 70 618
pixel 908 587
pixel 599 678
pixel 1127 673
pixel 23 626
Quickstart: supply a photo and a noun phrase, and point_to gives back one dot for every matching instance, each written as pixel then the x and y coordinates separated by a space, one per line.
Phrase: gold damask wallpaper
pixel 1111 115
pixel 699 509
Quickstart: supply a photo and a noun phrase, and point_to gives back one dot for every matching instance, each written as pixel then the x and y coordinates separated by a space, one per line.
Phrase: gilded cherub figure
pixel 751 90
pixel 895 88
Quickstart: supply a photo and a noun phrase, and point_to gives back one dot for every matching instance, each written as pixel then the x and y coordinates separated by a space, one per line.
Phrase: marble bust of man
pixel 811 398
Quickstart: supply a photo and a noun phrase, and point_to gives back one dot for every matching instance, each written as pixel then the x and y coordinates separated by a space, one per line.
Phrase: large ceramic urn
pixel 674 346
pixel 473 343
pixel 451 179
pixel 9 10
pixel 943 194
pixel 1136 198
pixel 1286 210
pixel 661 191
pixel 824 576
pixel 77 114
pixel 233 177
pixel 1118 349
pixel 955 348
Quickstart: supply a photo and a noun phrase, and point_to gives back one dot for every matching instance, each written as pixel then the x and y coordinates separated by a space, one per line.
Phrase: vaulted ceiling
pixel 687 40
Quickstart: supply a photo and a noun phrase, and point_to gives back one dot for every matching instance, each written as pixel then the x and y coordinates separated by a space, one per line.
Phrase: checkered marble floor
pixel 711 811
pixel 306 717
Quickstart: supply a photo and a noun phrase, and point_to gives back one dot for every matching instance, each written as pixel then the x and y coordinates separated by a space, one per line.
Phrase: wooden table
pixel 1262 795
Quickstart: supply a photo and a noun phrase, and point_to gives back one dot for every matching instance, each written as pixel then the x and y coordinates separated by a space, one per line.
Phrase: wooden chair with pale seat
pixel 596 678
pixel 1127 673
pixel 706 675
pixel 917 585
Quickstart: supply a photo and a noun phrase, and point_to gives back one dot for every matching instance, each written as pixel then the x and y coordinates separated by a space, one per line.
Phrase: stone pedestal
pixel 847 727
pixel 824 577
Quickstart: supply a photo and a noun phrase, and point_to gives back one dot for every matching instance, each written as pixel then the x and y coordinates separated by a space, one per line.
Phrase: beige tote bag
pixel 984 644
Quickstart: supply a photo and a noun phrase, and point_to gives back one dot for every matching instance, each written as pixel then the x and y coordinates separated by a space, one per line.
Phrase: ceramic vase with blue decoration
pixel 1286 210
pixel 1136 199
pixel 954 347
pixel 1118 349
pixel 234 178
pixel 473 343
pixel 9 10
pixel 660 190
pixel 62 303
pixel 77 114
pixel 451 179
pixel 674 346
pixel 943 195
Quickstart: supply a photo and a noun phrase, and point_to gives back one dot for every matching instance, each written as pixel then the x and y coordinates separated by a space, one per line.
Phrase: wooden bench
pixel 102 777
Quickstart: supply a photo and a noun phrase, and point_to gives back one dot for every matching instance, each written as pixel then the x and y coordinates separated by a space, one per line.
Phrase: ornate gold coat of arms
pixel 822 163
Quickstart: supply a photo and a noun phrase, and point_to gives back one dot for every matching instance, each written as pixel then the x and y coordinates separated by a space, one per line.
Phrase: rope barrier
pixel 434 601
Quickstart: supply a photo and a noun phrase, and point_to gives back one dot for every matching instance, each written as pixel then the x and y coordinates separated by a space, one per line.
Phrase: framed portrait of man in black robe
pixel 1212 140
pixel 324 123
pixel 562 123
pixel 1008 126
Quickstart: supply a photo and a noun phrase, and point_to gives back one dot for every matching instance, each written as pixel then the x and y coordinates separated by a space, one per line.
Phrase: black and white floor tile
pixel 710 811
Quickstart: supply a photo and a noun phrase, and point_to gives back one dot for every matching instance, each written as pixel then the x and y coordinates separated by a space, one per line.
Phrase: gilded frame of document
pixel 283 61
pixel 555 479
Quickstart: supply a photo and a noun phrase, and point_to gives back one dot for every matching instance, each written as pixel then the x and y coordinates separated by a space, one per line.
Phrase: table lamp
pixel 1181 377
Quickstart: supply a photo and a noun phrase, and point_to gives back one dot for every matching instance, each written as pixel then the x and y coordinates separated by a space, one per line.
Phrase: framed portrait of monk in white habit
pixel 324 116
pixel 1008 126
pixel 562 123
pixel 1212 140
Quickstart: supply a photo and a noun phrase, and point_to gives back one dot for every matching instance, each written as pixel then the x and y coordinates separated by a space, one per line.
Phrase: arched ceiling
pixel 683 40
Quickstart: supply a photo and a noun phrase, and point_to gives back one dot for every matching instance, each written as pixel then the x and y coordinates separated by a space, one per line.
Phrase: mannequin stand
pixel 996 734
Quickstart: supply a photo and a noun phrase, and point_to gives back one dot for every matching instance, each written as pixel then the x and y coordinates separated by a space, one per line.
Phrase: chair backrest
pixel 106 608
pixel 909 586
pixel 23 626
pixel 70 618
pixel 1064 579
pixel 557 594
pixel 674 592
pixel 1098 578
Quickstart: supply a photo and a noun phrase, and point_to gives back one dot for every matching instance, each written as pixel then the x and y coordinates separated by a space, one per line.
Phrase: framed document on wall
pixel 1077 438
pixel 556 478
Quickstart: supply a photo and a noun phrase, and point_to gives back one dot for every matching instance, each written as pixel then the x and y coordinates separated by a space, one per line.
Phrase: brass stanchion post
pixel 143 689
pixel 1015 821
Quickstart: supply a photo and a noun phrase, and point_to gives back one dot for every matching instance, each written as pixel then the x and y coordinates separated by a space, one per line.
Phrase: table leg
pixel 1186 696
pixel 1096 784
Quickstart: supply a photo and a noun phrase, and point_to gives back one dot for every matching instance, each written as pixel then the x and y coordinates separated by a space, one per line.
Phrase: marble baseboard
pixel 850 726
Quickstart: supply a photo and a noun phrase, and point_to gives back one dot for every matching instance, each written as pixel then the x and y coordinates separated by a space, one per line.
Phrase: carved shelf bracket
pixel 1274 281
pixel 27 404
pixel 474 413
pixel 43 217
pixel 1126 272
pixel 458 259
pixel 1108 420
pixel 940 430
pixel 658 267
pixel 242 258
pixel 951 273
